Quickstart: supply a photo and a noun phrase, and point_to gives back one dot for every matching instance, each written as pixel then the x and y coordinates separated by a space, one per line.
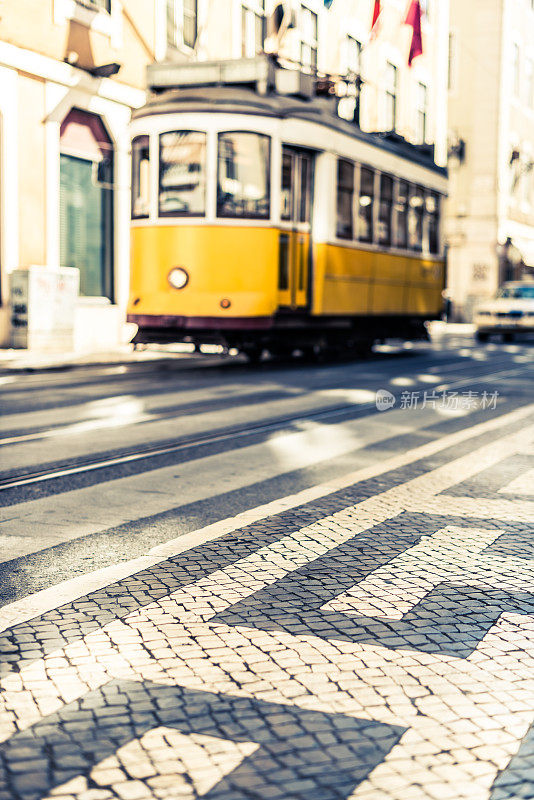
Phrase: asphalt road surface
pixel 281 582
pixel 103 464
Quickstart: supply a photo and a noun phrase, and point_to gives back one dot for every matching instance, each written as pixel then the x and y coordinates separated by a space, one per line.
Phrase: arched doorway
pixel 86 202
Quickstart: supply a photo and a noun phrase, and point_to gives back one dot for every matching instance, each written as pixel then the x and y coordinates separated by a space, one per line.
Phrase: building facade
pixel 412 101
pixel 490 224
pixel 71 72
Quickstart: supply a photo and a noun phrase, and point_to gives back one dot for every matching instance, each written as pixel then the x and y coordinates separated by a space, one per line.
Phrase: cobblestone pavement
pixel 376 642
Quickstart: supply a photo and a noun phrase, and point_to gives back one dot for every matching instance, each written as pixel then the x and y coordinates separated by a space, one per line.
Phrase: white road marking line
pixel 148 412
pixel 68 591
pixel 270 563
pixel 126 405
pixel 474 508
pixel 475 380
pixel 38 524
pixel 145 453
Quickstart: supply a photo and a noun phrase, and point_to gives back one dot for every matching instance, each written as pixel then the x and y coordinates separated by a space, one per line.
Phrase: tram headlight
pixel 178 277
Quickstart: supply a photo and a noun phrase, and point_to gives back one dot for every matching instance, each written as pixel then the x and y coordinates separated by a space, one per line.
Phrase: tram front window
pixel 243 187
pixel 182 174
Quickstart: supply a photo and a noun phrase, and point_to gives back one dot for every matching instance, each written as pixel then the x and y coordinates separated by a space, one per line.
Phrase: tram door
pixel 295 224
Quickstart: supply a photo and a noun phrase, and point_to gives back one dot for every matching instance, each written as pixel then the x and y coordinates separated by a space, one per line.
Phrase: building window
pixel 420 127
pixel 354 56
pixel 140 177
pixel 309 33
pixel 253 28
pixel 385 209
pixel 243 186
pixel 101 5
pixel 101 16
pixel 182 174
pixel 391 97
pixel 182 23
pixel 366 204
pixel 345 199
pixel 516 70
pixel 86 202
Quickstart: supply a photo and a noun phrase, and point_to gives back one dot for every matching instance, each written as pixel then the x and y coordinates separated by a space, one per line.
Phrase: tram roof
pixel 239 99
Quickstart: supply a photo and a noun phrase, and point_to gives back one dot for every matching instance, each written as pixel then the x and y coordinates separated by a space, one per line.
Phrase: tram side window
pixel 365 210
pixel 385 209
pixel 182 174
pixel 432 211
pixel 305 190
pixel 286 210
pixel 243 187
pixel 401 210
pixel 345 197
pixel 415 218
pixel 140 178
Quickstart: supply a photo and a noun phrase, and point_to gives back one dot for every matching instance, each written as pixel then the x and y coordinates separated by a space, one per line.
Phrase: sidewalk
pixel 367 639
pixel 27 361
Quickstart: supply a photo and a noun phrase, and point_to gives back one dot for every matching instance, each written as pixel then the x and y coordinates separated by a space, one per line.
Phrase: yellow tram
pixel 261 219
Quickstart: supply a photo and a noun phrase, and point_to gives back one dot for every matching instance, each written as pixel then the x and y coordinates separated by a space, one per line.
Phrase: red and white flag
pixel 376 13
pixel 413 18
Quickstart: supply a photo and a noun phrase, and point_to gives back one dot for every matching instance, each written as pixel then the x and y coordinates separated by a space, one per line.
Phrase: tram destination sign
pixel 259 71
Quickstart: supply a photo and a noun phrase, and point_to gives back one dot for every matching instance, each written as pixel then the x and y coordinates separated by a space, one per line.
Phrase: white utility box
pixel 43 304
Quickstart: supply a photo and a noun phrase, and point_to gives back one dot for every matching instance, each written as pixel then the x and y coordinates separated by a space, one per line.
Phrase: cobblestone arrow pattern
pixel 320 756
pixel 435 589
pixel 373 651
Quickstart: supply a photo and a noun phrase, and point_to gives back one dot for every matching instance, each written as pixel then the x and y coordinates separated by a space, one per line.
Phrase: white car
pixel 511 312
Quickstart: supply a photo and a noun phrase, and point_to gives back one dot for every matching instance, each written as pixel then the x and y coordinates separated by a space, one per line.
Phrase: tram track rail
pixel 83 466
pixel 14 436
pixel 153 451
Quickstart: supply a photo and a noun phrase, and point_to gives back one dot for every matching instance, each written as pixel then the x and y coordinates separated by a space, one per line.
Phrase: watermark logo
pixel 439 401
pixel 384 400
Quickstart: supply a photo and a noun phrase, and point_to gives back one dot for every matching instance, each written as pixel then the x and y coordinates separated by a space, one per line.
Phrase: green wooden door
pixel 86 226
